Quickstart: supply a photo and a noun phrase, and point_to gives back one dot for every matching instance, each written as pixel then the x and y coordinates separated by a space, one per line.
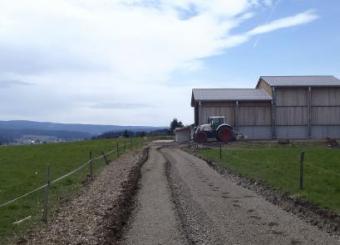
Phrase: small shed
pixel 183 134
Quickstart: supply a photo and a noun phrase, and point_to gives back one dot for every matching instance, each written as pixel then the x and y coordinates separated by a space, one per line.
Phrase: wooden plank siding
pixel 307 112
pixel 254 114
pixel 291 96
pixel 217 109
pixel 262 84
pixel 291 116
pixel 291 113
pixel 271 91
pixel 253 119
pixel 325 112
pixel 325 96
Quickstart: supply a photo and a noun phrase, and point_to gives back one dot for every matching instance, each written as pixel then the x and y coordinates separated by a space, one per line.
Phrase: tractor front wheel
pixel 224 134
pixel 201 137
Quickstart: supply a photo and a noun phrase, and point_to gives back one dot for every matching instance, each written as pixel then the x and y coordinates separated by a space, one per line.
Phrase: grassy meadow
pixel 23 168
pixel 278 166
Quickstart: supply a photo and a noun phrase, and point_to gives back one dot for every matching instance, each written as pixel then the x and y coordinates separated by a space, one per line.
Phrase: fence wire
pixel 57 179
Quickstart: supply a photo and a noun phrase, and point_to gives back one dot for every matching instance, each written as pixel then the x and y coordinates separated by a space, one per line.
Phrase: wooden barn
pixel 292 107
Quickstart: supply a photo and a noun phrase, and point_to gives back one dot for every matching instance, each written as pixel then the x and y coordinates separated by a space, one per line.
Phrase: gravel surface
pixel 87 219
pixel 154 220
pixel 180 200
pixel 215 210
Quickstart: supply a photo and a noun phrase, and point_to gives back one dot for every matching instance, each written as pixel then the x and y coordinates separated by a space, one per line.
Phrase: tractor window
pixel 216 121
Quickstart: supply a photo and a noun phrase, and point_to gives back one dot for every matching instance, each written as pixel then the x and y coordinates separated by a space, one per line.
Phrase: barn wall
pixel 297 113
pixel 265 86
pixel 217 109
pixel 325 112
pixel 252 119
pixel 254 114
pixel 291 112
pixel 255 132
pixel 292 132
pixel 302 114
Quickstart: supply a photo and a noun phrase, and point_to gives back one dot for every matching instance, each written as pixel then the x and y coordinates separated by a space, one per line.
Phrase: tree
pixel 175 124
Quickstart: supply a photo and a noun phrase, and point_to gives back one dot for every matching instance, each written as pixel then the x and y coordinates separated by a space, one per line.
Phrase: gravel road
pixel 155 220
pixel 183 201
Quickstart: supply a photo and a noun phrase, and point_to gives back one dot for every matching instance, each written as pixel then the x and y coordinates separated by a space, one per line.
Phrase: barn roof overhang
pixel 300 81
pixel 228 95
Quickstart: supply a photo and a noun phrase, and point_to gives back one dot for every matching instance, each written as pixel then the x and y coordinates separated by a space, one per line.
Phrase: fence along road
pixel 57 179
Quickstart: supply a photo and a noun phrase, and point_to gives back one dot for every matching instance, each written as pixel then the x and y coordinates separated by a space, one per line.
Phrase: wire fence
pixel 117 151
pixel 299 162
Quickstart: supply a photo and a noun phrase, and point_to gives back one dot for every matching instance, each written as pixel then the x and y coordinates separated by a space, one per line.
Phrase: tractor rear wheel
pixel 201 137
pixel 224 134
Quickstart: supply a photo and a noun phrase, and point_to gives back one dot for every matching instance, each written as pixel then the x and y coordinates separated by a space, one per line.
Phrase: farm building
pixel 293 107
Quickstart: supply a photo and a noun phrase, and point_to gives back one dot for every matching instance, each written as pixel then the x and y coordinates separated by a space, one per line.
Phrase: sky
pixel 135 62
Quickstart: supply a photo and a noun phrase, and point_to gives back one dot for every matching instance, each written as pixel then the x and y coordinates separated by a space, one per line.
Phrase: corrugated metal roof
pixel 228 94
pixel 301 80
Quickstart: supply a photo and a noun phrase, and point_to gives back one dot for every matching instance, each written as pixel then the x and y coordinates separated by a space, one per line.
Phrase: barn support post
pixel 302 159
pixel 200 119
pixel 309 112
pixel 236 112
pixel 273 113
pixel 46 193
pixel 196 115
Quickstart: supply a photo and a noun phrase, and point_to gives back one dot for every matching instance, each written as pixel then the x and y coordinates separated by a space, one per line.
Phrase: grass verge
pixel 23 168
pixel 278 166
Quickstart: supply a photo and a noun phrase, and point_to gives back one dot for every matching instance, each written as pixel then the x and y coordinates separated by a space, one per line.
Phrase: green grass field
pixel 24 168
pixel 278 166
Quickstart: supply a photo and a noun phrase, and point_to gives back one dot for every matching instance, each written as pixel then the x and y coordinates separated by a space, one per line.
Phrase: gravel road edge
pixel 325 220
pixel 124 205
pixel 175 199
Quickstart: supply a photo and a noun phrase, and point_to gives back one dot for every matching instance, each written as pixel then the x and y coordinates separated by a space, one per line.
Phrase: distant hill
pixel 12 130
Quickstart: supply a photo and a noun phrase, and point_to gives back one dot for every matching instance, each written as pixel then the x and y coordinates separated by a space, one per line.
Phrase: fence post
pixel 117 145
pixel 302 159
pixel 220 151
pixel 125 147
pixel 48 183
pixel 105 158
pixel 91 166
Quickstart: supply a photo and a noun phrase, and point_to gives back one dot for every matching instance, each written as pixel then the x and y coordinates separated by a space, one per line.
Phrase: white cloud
pixel 115 52
pixel 291 21
pixel 299 19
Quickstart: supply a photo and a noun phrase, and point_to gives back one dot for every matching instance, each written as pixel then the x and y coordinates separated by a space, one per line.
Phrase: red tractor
pixel 216 128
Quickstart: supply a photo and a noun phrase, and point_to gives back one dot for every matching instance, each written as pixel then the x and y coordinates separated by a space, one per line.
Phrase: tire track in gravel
pixel 155 219
pixel 214 210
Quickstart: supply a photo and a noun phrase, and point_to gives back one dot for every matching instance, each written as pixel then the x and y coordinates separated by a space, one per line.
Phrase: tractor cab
pixel 216 121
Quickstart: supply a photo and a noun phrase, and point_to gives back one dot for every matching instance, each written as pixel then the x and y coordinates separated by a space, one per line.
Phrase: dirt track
pixel 184 201
pixel 155 220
